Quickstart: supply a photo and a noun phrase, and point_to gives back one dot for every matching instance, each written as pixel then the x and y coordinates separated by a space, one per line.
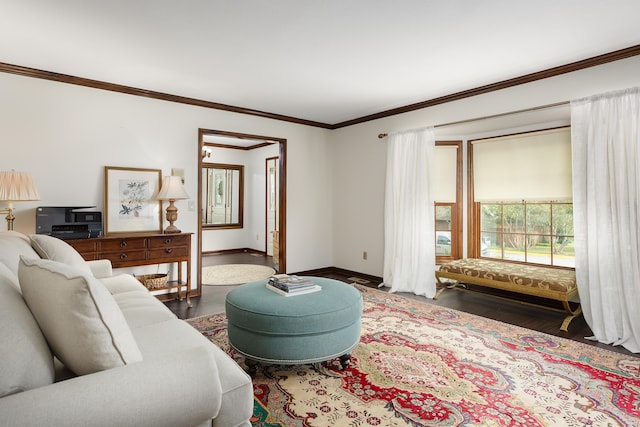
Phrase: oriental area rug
pixel 422 365
pixel 234 274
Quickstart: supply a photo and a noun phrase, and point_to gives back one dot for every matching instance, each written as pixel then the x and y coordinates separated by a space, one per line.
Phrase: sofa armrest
pixel 100 268
pixel 183 389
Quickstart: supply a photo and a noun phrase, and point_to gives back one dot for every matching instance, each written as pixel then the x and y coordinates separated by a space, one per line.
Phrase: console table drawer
pixel 84 246
pixel 168 241
pixel 118 258
pixel 122 244
pixel 166 253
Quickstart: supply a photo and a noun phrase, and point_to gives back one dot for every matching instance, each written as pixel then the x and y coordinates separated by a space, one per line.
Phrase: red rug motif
pixel 422 365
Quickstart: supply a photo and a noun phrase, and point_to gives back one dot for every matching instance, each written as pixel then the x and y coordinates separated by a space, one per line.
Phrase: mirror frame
pixel 240 169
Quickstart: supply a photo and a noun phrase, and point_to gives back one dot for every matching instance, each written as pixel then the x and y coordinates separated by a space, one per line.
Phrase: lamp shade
pixel 172 189
pixel 17 186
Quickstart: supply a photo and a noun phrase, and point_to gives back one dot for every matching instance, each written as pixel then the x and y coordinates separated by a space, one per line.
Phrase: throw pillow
pixel 26 359
pixel 79 318
pixel 12 245
pixel 54 249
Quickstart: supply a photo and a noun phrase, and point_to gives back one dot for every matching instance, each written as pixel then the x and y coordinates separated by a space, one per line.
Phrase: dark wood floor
pixel 547 321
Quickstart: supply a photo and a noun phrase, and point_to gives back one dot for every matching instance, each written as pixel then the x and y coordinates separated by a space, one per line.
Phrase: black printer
pixel 68 222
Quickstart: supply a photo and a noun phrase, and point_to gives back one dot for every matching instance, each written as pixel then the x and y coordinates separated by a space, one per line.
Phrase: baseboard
pixel 234 251
pixel 360 278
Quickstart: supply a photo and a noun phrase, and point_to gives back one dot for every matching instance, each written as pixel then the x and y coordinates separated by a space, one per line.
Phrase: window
pixel 444 216
pixel 448 200
pixel 531 232
pixel 520 188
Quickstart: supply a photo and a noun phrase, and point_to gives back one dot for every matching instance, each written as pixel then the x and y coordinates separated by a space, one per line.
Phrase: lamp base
pixel 172 215
pixel 10 218
pixel 171 229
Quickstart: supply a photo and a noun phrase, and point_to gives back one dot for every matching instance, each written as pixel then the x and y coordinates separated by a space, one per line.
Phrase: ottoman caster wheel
pixel 252 367
pixel 344 361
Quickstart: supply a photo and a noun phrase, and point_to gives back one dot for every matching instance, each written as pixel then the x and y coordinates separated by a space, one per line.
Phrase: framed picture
pixel 130 202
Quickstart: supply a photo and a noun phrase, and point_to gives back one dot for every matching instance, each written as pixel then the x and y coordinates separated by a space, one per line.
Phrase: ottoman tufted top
pixel 254 307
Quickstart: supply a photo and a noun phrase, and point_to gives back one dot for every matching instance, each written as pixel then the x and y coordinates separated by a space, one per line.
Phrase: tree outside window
pixel 531 232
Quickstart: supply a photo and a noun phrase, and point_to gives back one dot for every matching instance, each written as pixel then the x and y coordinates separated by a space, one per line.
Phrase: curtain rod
pixel 493 116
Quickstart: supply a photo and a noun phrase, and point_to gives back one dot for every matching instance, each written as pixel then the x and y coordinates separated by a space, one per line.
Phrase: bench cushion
pixel 553 279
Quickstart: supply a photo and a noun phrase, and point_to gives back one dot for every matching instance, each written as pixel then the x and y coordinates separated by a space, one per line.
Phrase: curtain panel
pixel 409 214
pixel 606 193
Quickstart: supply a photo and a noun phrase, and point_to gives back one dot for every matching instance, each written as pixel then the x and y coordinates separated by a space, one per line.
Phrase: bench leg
pixel 572 315
pixel 441 287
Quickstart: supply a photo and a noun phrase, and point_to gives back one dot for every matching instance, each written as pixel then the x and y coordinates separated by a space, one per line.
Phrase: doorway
pixel 272 167
pixel 274 190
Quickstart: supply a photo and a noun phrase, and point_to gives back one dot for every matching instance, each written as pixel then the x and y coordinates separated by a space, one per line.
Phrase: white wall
pixel 360 157
pixel 252 234
pixel 66 134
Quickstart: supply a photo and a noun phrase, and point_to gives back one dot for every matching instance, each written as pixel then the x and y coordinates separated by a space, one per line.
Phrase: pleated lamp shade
pixel 172 189
pixel 17 186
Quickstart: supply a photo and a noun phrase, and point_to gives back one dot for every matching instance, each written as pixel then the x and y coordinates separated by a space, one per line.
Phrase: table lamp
pixel 172 190
pixel 16 187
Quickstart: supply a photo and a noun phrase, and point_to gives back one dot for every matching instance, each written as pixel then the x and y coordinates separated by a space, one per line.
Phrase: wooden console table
pixel 131 250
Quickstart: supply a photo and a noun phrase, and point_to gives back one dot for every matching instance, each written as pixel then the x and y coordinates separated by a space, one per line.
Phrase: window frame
pixel 525 232
pixel 456 208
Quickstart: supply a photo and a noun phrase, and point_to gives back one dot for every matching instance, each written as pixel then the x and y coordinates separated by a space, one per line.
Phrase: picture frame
pixel 130 202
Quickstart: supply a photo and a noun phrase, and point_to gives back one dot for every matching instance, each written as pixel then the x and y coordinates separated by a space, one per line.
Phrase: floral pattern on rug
pixel 422 365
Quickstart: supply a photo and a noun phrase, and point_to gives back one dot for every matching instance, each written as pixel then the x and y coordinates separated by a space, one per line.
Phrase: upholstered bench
pixel 544 282
pixel 309 328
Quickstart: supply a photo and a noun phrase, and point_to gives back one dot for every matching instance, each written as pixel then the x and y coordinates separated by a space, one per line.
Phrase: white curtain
pixel 409 213
pixel 606 193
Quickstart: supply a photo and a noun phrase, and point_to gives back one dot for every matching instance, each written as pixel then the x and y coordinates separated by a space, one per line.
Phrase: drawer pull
pixel 168 250
pixel 123 244
pixel 123 256
pixel 167 241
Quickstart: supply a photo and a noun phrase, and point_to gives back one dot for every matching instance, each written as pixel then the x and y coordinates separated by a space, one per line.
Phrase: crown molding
pixel 97 84
pixel 504 84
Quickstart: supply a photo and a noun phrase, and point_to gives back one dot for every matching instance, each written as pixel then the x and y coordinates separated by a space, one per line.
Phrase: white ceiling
pixel 326 61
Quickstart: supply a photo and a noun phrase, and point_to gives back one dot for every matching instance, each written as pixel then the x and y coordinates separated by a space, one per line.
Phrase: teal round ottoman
pixel 309 328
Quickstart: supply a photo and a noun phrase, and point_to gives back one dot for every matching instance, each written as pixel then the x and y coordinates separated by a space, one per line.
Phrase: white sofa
pixel 128 361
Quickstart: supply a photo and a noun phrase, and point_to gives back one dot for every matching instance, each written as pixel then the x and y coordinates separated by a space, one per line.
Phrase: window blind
pixel 532 166
pixel 445 173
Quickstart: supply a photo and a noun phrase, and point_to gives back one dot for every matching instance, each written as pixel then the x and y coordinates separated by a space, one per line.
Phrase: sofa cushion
pixel 123 283
pixel 54 249
pixel 142 308
pixel 78 316
pixel 12 246
pixel 26 359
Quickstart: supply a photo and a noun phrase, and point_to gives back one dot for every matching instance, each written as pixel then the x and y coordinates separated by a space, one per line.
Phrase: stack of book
pixel 286 285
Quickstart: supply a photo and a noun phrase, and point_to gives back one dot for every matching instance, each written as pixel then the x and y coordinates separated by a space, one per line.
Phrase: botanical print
pixel 134 197
pixel 130 200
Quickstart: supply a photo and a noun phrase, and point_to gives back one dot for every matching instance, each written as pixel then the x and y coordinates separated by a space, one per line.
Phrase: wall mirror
pixel 222 195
